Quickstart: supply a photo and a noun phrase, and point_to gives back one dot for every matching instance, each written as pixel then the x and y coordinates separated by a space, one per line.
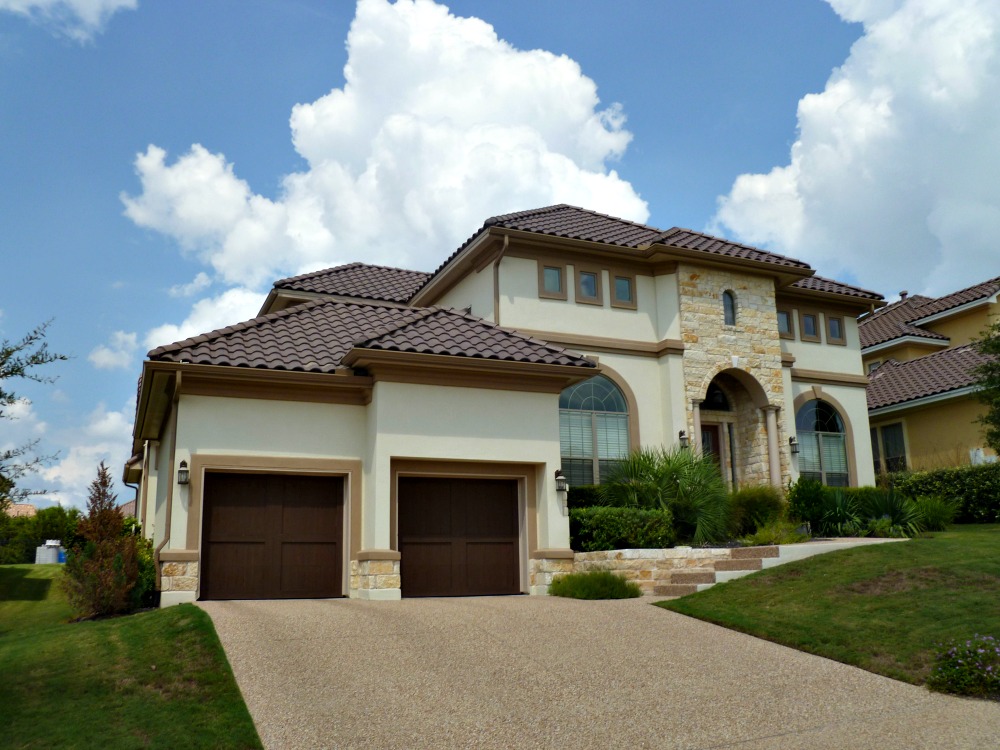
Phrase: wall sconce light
pixel 793 444
pixel 684 439
pixel 183 474
pixel 562 489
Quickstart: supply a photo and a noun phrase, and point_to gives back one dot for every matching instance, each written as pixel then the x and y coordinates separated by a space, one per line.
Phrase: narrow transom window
pixel 822 443
pixel 729 308
pixel 593 429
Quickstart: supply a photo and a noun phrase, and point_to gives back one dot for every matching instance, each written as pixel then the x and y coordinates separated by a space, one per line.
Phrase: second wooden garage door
pixel 458 537
pixel 272 536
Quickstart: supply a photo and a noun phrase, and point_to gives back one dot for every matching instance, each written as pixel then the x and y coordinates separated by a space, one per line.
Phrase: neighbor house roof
pixel 821 284
pixel 316 336
pixel 931 375
pixel 896 320
pixel 359 280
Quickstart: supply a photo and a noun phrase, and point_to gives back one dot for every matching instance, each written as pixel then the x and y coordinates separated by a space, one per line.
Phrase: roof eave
pixel 915 403
pixel 847 300
pixel 901 340
pixel 957 310
pixel 454 269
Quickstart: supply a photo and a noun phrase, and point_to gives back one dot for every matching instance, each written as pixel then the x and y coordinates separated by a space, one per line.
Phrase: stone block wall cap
pixel 378 554
pixel 179 555
pixel 552 554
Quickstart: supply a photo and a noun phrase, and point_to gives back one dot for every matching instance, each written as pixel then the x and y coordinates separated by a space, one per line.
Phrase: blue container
pixel 62 555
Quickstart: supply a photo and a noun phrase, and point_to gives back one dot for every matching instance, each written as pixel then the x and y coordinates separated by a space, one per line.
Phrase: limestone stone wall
pixel 179 576
pixel 649 567
pixel 369 575
pixel 751 346
pixel 541 572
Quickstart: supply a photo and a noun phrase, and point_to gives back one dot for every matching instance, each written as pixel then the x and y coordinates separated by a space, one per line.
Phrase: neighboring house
pixel 127 509
pixel 22 510
pixel 379 432
pixel 921 399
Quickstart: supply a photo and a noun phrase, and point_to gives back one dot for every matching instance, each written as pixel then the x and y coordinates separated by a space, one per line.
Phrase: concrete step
pixel 751 563
pixel 731 575
pixel 705 586
pixel 692 576
pixel 675 589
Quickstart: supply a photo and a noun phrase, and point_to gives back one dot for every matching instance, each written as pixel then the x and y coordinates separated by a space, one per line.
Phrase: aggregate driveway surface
pixel 541 672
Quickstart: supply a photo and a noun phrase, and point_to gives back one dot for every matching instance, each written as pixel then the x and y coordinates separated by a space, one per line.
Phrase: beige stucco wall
pixel 461 424
pixel 475 290
pixel 521 307
pixel 900 353
pixel 828 357
pixel 962 329
pixel 941 434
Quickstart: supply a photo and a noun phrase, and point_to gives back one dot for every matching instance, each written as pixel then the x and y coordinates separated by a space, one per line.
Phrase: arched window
pixel 729 308
pixel 593 429
pixel 822 443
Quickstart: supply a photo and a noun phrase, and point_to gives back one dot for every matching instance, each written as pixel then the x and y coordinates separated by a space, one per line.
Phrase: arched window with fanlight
pixel 822 443
pixel 593 429
pixel 729 308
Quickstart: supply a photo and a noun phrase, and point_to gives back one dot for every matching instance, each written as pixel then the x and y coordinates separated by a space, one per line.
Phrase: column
pixel 773 458
pixel 696 416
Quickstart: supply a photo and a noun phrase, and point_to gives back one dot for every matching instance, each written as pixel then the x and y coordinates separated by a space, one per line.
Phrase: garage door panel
pixel 458 536
pixel 239 570
pixel 272 536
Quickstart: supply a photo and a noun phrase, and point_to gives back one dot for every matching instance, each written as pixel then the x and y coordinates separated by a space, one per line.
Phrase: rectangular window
pixel 810 326
pixel 875 451
pixel 835 330
pixel 623 290
pixel 873 365
pixel 588 286
pixel 551 280
pixel 785 329
pixel 894 447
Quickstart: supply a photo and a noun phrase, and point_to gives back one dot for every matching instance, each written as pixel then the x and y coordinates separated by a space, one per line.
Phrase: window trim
pixel 817 392
pixel 790 312
pixel 582 299
pixel 613 276
pixel 542 292
pixel 803 336
pixel 631 405
pixel 883 459
pixel 842 340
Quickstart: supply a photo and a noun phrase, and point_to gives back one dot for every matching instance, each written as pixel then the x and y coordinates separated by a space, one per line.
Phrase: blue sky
pixel 161 163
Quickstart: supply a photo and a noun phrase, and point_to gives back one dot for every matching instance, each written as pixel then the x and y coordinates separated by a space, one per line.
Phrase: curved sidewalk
pixel 543 672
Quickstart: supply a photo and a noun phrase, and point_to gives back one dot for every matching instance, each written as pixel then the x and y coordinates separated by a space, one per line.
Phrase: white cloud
pixel 892 179
pixel 117 354
pixel 198 284
pixel 206 315
pixel 440 125
pixel 78 19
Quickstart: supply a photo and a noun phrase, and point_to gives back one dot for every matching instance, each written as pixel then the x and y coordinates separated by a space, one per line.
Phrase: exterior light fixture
pixel 685 441
pixel 562 486
pixel 183 474
pixel 793 444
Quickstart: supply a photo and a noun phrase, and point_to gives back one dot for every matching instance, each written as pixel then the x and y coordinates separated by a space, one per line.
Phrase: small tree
pixel 102 566
pixel 988 379
pixel 19 359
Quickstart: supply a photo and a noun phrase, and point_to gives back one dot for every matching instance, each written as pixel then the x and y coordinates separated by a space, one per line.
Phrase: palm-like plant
pixel 681 480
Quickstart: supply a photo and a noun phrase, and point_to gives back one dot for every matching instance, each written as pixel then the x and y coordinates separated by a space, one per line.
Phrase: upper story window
pixel 822 443
pixel 551 280
pixel 593 429
pixel 623 290
pixel 588 286
pixel 835 330
pixel 729 308
pixel 810 326
pixel 785 325
pixel 872 366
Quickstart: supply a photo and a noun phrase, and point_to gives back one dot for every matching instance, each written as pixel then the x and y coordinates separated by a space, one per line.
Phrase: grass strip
pixel 885 608
pixel 156 679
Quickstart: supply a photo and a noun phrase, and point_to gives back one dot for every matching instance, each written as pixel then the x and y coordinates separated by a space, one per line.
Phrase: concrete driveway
pixel 541 672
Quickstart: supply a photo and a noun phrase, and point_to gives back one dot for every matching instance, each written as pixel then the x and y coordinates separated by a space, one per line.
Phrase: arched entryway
pixel 735 422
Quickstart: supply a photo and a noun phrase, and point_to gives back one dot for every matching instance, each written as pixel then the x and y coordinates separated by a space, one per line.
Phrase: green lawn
pixel 884 608
pixel 155 679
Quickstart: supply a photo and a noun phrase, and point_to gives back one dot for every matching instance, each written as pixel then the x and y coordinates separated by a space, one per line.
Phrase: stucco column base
pixel 170 598
pixel 375 575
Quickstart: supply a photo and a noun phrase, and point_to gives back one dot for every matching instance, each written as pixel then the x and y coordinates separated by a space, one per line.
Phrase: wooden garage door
pixel 272 536
pixel 458 537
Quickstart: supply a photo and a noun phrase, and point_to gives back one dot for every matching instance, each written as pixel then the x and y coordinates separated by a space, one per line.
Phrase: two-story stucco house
pixel 379 432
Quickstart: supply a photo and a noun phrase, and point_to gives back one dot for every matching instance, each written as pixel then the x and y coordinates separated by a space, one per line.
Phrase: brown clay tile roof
pixel 820 284
pixel 458 334
pixel 315 337
pixel 359 280
pixel 898 319
pixel 578 223
pixel 933 374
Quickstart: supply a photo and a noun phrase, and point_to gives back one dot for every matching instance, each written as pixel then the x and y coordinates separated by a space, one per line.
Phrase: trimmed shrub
pixel 937 512
pixel 585 496
pixel 970 667
pixel 679 479
pixel 753 507
pixel 806 501
pixel 975 488
pixel 102 567
pixel 604 528
pixel 596 584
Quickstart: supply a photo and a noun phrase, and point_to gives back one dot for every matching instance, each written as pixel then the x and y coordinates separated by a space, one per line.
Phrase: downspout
pixel 496 280
pixel 170 485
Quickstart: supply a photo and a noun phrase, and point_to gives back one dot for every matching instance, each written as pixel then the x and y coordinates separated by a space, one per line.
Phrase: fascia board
pixel 925 401
pixel 899 341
